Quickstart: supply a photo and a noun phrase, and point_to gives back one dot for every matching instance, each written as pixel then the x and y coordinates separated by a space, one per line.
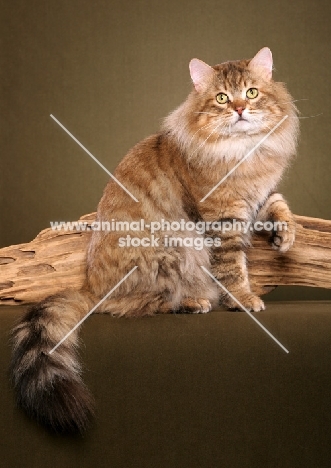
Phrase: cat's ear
pixel 262 63
pixel 201 74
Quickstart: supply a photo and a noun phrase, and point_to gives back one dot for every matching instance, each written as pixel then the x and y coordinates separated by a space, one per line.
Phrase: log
pixel 55 260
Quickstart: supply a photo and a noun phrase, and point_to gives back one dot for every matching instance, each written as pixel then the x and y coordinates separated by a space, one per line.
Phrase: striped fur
pixel 49 386
pixel 169 173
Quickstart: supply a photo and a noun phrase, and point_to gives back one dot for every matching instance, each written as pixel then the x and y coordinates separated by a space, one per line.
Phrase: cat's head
pixel 237 97
pixel 232 107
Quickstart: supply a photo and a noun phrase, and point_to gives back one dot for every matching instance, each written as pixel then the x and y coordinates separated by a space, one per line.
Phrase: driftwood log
pixel 55 260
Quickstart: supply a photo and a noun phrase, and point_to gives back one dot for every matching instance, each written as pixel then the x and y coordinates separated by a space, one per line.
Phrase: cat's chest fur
pixel 233 178
pixel 158 167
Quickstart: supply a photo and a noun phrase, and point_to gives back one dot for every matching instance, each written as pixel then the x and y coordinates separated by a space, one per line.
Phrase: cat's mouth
pixel 241 125
pixel 241 119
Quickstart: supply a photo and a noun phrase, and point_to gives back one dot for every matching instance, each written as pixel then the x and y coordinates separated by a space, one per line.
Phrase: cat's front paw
pixel 283 238
pixel 250 302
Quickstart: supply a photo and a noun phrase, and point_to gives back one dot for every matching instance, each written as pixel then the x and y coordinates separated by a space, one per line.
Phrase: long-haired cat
pixel 231 107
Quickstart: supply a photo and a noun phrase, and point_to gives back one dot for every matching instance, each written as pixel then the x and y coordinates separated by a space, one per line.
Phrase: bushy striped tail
pixel 49 387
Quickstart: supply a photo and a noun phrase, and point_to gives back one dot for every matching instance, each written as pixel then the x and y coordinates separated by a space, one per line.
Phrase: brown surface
pixel 184 391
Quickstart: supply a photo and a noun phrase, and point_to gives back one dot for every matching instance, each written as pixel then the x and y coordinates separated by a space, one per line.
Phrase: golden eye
pixel 252 93
pixel 222 98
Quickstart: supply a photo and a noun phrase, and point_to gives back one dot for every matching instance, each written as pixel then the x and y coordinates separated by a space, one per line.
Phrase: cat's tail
pixel 48 384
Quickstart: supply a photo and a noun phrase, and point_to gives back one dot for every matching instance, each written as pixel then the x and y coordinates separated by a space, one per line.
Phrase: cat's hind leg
pixel 166 280
pixel 187 306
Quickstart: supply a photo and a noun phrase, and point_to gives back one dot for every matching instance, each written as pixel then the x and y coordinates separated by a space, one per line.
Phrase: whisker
pixel 204 142
pixel 259 120
pixel 201 128
pixel 208 113
pixel 294 100
pixel 220 137
pixel 309 116
pixel 218 141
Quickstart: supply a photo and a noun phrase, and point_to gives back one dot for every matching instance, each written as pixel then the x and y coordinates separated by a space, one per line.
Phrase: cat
pixel 230 108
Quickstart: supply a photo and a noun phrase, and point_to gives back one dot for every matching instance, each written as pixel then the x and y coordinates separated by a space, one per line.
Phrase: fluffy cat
pixel 231 107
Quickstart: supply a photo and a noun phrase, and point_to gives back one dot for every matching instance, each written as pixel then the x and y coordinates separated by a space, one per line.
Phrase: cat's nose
pixel 239 110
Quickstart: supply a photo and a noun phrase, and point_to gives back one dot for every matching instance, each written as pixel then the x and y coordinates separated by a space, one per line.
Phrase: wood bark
pixel 55 260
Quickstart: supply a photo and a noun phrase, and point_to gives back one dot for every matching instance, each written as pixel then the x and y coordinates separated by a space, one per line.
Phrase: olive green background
pixel 111 70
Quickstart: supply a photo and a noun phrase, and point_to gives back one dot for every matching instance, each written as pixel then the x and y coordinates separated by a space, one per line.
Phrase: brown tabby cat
pixel 230 109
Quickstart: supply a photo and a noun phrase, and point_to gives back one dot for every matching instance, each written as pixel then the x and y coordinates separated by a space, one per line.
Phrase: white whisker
pixel 207 113
pixel 201 128
pixel 294 100
pixel 204 142
pixel 309 116
pixel 258 119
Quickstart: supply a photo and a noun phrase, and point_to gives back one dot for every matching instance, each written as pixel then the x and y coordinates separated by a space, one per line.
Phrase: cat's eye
pixel 222 98
pixel 252 93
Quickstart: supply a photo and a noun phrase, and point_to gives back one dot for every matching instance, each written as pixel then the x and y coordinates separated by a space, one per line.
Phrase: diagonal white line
pixel 244 158
pixel 94 158
pixel 247 311
pixel 92 310
pixel 210 134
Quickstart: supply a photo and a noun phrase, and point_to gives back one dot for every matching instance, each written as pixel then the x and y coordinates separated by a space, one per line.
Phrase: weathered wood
pixel 307 263
pixel 55 260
